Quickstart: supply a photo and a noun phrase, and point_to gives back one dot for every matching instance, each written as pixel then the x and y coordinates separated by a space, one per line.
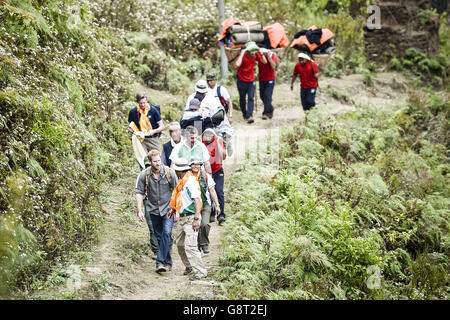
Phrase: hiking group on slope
pixel 182 181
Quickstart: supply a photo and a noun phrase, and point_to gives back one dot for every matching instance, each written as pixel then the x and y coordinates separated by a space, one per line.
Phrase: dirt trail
pixel 122 267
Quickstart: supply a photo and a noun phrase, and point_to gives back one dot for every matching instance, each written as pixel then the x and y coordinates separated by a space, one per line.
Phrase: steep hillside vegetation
pixel 69 73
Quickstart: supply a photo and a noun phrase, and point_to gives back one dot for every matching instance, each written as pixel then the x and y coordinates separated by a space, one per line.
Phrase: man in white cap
pixel 186 204
pixel 309 74
pixel 201 88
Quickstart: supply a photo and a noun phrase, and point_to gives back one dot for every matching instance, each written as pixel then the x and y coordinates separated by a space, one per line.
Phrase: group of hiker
pixel 183 180
pixel 306 69
pixel 180 181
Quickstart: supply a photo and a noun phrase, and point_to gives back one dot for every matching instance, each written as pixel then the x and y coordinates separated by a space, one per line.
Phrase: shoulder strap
pixel 220 96
pixel 168 176
pixel 204 176
pixel 147 176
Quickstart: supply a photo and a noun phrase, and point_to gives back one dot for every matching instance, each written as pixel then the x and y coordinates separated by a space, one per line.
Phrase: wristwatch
pixel 196 218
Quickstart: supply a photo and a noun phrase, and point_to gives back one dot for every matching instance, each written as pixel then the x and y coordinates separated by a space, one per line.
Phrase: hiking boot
pixel 187 271
pixel 160 269
pixel 250 120
pixel 221 220
pixel 205 249
pixel 270 115
pixel 264 117
pixel 168 268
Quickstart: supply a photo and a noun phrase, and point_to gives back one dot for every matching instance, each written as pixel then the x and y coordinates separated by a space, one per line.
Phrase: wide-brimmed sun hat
pixel 195 160
pixel 181 165
pixel 201 86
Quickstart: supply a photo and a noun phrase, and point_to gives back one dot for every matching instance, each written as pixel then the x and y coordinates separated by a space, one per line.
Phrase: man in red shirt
pixel 216 150
pixel 266 77
pixel 309 73
pixel 246 78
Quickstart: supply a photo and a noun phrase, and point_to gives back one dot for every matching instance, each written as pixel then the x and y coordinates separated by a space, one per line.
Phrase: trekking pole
pixel 256 97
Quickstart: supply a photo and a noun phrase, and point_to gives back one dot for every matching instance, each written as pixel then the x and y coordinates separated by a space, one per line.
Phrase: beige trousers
pixel 186 241
pixel 152 143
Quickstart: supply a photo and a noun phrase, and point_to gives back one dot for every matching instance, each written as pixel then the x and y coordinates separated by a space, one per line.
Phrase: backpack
pixel 157 107
pixel 221 99
pixel 166 173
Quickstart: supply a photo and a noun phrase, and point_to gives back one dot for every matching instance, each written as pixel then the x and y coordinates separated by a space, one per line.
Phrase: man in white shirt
pixel 191 146
pixel 221 94
pixel 186 204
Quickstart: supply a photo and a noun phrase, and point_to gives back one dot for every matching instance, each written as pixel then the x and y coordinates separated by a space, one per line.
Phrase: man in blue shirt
pixel 175 138
pixel 145 121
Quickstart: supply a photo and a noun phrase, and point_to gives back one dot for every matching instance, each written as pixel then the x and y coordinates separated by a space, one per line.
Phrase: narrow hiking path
pixel 121 266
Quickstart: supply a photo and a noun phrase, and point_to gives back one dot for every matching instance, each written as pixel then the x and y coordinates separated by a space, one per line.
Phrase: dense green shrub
pixel 358 209
pixel 63 132
pixel 430 70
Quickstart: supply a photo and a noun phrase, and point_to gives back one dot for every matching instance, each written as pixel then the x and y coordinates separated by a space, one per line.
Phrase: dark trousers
pixel 219 179
pixel 308 97
pixel 265 93
pixel 163 229
pixel 203 232
pixel 153 237
pixel 246 89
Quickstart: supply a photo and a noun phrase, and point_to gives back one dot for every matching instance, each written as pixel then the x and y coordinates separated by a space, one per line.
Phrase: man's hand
pixel 196 225
pixel 141 216
pixel 170 213
pixel 292 87
pixel 217 208
pixel 139 134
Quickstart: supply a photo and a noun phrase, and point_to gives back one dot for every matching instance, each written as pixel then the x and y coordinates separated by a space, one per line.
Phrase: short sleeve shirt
pixel 190 191
pixel 209 184
pixel 246 71
pixel 153 115
pixel 181 150
pixel 265 71
pixel 159 191
pixel 223 92
pixel 306 72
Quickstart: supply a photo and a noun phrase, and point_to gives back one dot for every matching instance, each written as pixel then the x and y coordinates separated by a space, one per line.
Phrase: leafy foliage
pixel 431 70
pixel 362 192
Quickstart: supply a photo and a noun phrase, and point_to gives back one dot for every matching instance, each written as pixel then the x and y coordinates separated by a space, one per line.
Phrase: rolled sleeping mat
pixel 241 38
pixel 237 28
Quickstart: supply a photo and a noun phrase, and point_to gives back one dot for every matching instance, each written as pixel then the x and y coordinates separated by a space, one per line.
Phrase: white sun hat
pixel 201 86
pixel 303 56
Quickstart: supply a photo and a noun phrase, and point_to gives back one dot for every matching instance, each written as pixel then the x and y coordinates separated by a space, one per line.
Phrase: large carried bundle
pixel 314 40
pixel 242 32
pixel 236 33
pixel 317 43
